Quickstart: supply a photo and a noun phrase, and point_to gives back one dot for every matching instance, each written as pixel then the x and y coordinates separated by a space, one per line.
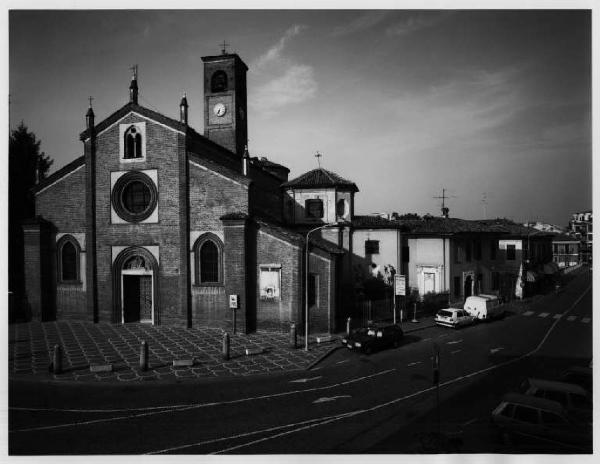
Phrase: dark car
pixel 579 375
pixel 374 338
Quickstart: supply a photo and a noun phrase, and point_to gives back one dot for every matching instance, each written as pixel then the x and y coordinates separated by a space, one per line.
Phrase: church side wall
pixel 63 204
pixel 210 197
pixel 276 314
pixel 165 153
pixel 267 196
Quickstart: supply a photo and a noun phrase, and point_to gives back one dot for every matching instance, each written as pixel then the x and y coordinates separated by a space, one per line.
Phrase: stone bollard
pixel 57 360
pixel 348 325
pixel 226 344
pixel 293 336
pixel 144 356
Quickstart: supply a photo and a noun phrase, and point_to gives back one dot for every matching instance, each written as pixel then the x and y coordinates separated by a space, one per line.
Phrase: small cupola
pixel 245 160
pixel 183 109
pixel 133 87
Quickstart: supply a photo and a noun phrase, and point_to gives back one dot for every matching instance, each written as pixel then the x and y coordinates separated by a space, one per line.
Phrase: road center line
pixel 454 342
pixel 183 407
pixel 455 351
pixel 543 314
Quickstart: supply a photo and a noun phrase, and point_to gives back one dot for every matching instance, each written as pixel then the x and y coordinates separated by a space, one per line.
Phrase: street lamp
pixel 333 224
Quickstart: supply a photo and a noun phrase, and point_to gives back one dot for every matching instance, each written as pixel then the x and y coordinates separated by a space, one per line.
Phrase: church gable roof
pixel 57 175
pixel 321 178
pixel 133 107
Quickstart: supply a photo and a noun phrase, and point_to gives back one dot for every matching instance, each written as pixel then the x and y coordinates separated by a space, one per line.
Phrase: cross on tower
pixel 318 156
pixel 224 49
pixel 90 98
pixel 134 69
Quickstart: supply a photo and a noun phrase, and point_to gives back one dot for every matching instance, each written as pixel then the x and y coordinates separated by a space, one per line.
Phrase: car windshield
pixel 444 313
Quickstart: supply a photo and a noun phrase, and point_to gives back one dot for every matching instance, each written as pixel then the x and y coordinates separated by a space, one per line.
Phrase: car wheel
pixel 396 343
pixel 506 438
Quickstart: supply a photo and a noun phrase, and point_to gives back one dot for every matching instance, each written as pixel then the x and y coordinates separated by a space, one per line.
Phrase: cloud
pixel 415 22
pixel 296 85
pixel 273 54
pixel 283 81
pixel 362 22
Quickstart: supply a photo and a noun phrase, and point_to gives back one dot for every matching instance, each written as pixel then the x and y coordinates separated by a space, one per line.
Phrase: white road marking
pixel 326 399
pixel 454 342
pixel 455 351
pixel 426 339
pixel 571 318
pixel 495 350
pixel 472 421
pixel 528 313
pixel 327 420
pixel 585 320
pixel 557 316
pixel 343 361
pixel 306 380
pixel 414 364
pixel 543 314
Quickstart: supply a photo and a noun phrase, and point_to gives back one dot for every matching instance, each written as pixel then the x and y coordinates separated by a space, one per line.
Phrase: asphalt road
pixel 383 403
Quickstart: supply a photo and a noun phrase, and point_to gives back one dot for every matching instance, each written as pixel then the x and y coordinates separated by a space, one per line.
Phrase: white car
pixel 453 317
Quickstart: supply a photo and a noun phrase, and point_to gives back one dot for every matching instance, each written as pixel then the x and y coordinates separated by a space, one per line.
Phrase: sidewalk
pixel 84 344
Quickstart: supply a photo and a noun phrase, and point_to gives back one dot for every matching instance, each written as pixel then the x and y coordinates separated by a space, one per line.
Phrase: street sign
pixel 233 302
pixel 400 284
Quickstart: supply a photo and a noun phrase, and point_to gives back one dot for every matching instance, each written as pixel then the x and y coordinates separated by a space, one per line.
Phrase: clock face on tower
pixel 219 110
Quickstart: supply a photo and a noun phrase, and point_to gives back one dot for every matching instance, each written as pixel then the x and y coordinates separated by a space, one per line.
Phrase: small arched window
pixel 218 82
pixel 132 143
pixel 68 259
pixel 209 260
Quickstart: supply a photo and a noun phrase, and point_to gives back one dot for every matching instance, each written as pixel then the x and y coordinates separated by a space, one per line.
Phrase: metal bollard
pixel 293 336
pixel 348 325
pixel 414 319
pixel 226 344
pixel 57 360
pixel 144 356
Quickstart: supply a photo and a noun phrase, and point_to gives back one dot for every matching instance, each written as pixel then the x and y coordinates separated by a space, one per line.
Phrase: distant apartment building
pixel 565 250
pixel 581 227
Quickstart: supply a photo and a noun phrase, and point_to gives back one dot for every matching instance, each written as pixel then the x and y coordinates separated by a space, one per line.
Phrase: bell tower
pixel 225 102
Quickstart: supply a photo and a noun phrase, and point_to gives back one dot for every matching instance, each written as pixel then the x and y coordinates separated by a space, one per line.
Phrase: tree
pixel 24 159
pixel 405 216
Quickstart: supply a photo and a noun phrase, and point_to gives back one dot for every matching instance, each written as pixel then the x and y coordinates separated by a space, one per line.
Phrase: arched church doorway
pixel 468 286
pixel 135 274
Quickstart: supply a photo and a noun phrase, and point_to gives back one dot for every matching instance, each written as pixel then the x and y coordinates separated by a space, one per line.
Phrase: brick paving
pixel 31 348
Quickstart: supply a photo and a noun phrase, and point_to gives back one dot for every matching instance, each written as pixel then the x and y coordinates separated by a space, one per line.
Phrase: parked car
pixel 453 317
pixel 374 338
pixel 576 401
pixel 484 307
pixel 579 375
pixel 529 417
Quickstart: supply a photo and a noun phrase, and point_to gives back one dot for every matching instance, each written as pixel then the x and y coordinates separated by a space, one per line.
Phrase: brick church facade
pixel 159 224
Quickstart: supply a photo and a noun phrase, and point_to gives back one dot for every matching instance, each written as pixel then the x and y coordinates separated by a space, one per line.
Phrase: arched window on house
pixel 132 143
pixel 68 259
pixel 208 252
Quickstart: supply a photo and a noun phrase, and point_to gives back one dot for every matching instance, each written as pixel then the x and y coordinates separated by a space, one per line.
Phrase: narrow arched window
pixel 209 259
pixel 132 143
pixel 209 262
pixel 68 259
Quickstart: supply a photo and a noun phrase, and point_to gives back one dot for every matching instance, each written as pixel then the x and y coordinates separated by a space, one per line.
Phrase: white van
pixel 484 307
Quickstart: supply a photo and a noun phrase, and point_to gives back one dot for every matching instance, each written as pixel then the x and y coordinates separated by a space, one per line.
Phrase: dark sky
pixel 404 103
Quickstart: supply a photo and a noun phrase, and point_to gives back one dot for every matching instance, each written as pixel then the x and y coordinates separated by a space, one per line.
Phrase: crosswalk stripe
pixel 528 313
pixel 571 318
pixel 585 320
pixel 543 314
pixel 557 316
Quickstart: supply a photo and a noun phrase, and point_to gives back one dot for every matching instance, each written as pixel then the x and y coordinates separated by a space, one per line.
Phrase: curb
pixel 322 357
pixel 421 327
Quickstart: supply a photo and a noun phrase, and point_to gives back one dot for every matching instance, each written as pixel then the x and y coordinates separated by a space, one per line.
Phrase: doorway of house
pixel 468 286
pixel 137 298
pixel 428 282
